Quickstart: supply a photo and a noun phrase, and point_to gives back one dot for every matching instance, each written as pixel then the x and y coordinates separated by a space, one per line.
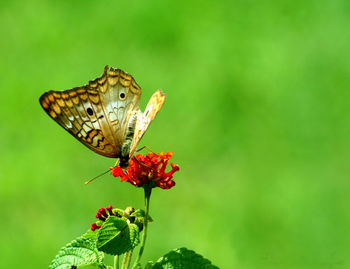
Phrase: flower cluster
pixel 148 170
pixel 103 215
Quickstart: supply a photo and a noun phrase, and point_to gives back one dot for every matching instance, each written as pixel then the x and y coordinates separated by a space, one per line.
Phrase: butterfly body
pixel 104 115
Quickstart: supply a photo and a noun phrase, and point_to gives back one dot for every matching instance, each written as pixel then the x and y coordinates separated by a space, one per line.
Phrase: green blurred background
pixel 257 113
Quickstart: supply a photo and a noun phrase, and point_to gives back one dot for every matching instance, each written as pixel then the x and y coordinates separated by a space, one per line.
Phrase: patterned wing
pixel 121 100
pixel 96 114
pixel 144 120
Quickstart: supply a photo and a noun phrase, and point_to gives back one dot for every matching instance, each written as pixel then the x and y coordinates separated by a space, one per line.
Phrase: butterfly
pixel 104 115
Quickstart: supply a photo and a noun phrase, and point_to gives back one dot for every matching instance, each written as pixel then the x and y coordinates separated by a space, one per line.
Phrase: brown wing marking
pixel 70 110
pixel 92 114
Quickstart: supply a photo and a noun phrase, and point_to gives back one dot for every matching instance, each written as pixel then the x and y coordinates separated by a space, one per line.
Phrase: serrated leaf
pixel 182 258
pixel 117 236
pixel 79 252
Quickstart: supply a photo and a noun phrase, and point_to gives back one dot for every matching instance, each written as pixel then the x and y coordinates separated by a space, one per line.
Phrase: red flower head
pixel 148 170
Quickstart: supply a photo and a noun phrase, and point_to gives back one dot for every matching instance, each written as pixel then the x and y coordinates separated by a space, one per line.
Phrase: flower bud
pixel 129 210
pixel 109 208
pixel 103 212
pixel 100 217
pixel 94 226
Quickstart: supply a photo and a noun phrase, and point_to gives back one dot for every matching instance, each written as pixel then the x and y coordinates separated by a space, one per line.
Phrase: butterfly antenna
pixel 87 182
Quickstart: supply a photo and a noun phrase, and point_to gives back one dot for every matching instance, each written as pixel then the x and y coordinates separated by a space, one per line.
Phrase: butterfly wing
pixel 144 119
pixel 96 114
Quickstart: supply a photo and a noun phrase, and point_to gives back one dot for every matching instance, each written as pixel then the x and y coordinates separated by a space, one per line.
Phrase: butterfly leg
pixel 141 163
pixel 145 147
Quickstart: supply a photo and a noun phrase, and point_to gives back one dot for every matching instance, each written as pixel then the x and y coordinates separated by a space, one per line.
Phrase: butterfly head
pixel 124 162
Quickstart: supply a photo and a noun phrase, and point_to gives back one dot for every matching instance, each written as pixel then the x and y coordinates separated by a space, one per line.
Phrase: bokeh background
pixel 257 113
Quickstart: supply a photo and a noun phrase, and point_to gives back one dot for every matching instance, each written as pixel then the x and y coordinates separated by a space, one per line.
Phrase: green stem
pixel 148 191
pixel 126 260
pixel 116 262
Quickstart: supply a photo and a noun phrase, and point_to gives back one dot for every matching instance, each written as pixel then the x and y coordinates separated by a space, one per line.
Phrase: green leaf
pixel 137 266
pixel 149 265
pixel 91 234
pixel 182 258
pixel 140 213
pixel 80 252
pixel 117 236
pixel 138 217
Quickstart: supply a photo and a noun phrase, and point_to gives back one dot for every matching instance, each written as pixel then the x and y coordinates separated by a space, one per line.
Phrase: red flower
pixel 148 170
